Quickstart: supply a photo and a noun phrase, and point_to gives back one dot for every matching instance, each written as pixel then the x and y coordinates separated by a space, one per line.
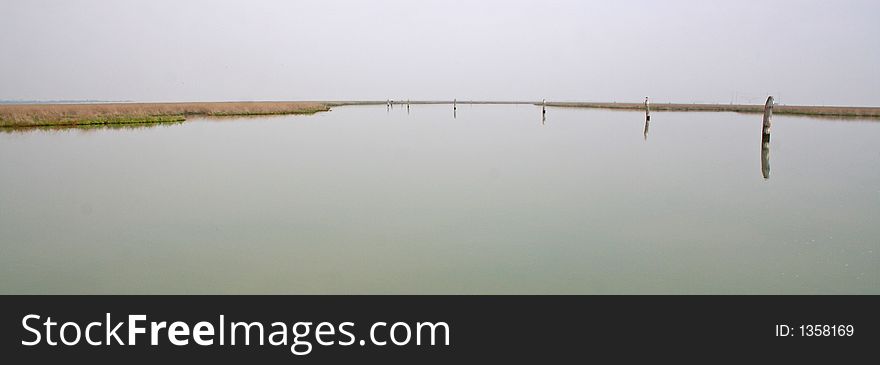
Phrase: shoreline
pixel 805 110
pixel 13 116
pixel 77 115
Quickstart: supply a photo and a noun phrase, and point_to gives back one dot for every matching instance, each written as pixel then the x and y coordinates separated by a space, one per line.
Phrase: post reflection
pixel 647 125
pixel 765 156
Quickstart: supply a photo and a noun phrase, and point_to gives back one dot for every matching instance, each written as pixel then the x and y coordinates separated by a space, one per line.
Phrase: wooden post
pixel 647 124
pixel 647 111
pixel 765 138
pixel 543 111
pixel 768 115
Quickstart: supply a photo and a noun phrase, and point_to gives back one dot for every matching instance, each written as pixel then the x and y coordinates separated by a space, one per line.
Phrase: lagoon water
pixel 369 200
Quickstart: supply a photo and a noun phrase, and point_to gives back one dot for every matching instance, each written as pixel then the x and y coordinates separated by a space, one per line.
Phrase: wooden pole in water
pixel 768 115
pixel 543 111
pixel 765 138
pixel 647 110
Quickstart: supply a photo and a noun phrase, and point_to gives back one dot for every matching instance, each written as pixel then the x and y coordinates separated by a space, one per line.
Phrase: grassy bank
pixel 45 115
pixel 821 111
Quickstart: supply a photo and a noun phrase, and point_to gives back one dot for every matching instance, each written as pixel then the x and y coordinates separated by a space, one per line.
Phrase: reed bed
pixel 44 115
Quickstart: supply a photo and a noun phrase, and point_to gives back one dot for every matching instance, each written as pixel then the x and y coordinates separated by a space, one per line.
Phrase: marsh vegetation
pixel 42 115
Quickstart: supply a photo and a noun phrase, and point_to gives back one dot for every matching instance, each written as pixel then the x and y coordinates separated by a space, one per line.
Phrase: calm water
pixel 365 200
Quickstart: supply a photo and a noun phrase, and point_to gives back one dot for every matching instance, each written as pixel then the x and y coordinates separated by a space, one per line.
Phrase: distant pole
pixel 407 106
pixel 647 110
pixel 543 106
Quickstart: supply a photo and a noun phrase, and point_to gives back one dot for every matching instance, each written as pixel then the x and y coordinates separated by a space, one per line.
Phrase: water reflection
pixel 85 128
pixel 647 124
pixel 765 156
pixel 579 179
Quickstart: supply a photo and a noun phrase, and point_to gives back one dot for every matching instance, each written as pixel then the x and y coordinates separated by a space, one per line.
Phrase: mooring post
pixel 647 110
pixel 768 115
pixel 407 106
pixel 543 106
pixel 765 138
pixel 647 124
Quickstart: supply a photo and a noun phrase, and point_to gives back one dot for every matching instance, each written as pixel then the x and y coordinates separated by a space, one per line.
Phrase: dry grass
pixel 39 115
pixel 828 111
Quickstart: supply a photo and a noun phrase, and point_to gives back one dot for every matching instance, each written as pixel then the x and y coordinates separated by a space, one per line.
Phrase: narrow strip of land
pixel 59 115
pixel 45 115
pixel 821 111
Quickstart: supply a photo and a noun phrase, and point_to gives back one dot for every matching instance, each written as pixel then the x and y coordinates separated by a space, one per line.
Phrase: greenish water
pixel 366 200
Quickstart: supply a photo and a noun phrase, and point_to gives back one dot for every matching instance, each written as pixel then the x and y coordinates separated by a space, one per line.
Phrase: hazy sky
pixel 803 52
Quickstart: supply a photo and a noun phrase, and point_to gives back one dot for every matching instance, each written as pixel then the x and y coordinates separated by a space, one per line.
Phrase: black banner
pixel 331 329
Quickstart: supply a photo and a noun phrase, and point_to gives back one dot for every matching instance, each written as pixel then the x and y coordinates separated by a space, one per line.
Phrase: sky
pixel 802 52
